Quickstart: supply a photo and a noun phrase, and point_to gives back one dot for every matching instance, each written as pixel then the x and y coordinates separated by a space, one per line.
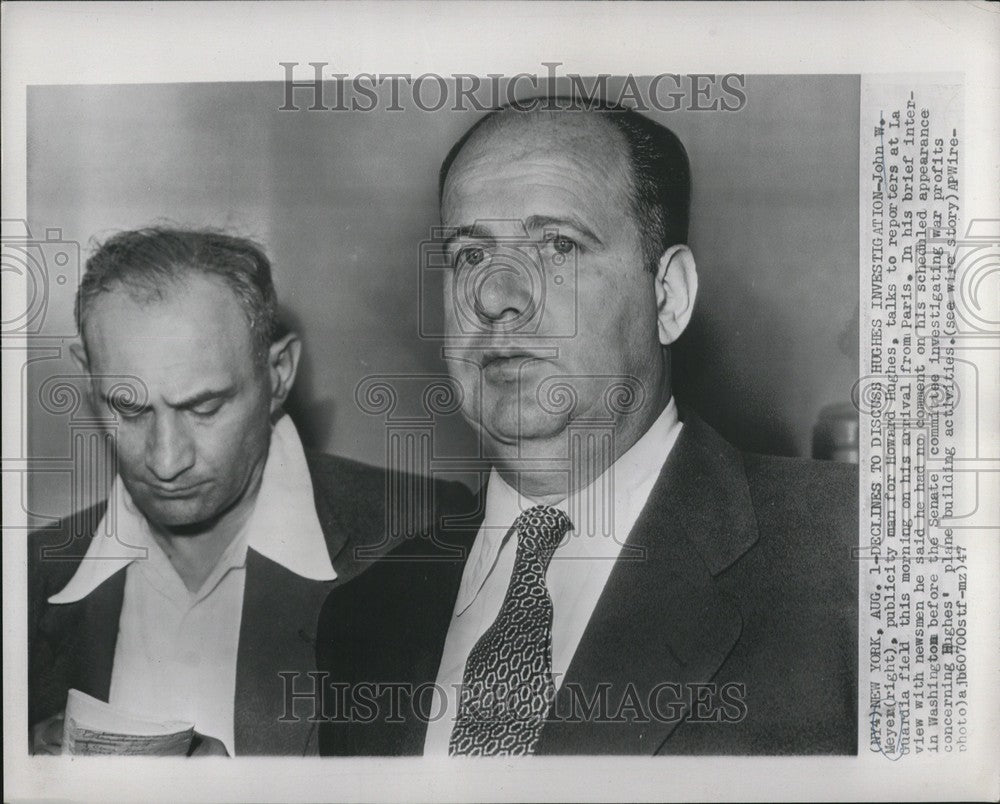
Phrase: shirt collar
pixel 283 527
pixel 631 477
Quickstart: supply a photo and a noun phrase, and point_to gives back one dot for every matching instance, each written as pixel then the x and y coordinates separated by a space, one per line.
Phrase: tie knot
pixel 540 529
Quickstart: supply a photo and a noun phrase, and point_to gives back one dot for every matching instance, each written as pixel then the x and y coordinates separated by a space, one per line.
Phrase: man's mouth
pixel 506 364
pixel 175 491
pixel 495 355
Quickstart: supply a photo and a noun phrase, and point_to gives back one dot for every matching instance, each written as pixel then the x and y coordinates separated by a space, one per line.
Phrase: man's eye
pixel 206 410
pixel 563 245
pixel 471 255
pixel 124 406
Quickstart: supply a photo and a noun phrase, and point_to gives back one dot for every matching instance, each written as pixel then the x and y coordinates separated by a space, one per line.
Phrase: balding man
pixel 635 584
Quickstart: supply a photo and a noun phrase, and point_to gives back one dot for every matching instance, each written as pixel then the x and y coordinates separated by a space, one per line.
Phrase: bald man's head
pixel 650 159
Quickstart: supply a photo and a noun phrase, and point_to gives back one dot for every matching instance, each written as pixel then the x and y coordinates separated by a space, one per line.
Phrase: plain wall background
pixel 342 200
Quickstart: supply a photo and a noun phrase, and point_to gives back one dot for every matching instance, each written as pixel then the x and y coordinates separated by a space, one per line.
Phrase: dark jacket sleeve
pixel 53 556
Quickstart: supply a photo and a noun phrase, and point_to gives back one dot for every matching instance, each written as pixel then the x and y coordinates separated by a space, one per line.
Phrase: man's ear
pixel 79 354
pixel 282 365
pixel 676 287
pixel 78 351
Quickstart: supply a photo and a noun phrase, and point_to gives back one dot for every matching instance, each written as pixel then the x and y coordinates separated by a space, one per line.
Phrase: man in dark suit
pixel 189 592
pixel 632 584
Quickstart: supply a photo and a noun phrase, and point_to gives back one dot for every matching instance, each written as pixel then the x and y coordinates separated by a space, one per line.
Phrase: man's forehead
pixel 184 297
pixel 571 158
pixel 186 315
pixel 583 133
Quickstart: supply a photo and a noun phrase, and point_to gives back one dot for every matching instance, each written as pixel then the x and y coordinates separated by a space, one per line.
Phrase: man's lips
pixel 503 355
pixel 175 491
pixel 508 365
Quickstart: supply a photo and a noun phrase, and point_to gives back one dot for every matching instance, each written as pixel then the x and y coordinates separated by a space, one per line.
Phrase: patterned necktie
pixel 507 687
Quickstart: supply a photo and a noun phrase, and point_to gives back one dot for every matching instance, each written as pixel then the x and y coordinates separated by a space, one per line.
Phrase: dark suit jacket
pixel 73 645
pixel 747 577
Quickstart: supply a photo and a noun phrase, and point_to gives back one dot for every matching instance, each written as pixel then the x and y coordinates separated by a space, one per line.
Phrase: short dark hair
pixel 145 261
pixel 660 170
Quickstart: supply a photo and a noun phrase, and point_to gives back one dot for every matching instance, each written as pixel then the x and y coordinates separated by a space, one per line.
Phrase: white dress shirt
pixel 575 578
pixel 175 658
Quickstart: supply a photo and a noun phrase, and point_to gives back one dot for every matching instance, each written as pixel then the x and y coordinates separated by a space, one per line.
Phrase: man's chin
pixel 176 515
pixel 519 428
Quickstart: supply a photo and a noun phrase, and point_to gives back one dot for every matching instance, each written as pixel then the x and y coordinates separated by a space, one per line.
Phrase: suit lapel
pixel 98 634
pixel 410 629
pixel 661 617
pixel 277 634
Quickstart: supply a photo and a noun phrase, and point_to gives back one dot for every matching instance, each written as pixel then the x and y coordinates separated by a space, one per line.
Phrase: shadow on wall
pixel 313 412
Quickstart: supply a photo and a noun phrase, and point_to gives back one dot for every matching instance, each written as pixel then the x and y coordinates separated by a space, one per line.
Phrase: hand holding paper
pixel 47 736
pixel 94 727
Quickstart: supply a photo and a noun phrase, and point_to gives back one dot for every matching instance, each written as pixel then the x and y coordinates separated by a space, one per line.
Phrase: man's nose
pixel 169 447
pixel 507 292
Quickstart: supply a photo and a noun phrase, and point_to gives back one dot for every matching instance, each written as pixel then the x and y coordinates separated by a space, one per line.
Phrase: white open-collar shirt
pixel 175 658
pixel 575 578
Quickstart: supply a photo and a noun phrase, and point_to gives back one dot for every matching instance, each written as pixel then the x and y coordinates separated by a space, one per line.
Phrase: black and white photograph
pixel 445 401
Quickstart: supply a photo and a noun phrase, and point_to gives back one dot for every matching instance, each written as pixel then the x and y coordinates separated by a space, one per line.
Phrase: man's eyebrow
pixel 473 230
pixel 124 396
pixel 201 397
pixel 550 221
pixel 532 222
